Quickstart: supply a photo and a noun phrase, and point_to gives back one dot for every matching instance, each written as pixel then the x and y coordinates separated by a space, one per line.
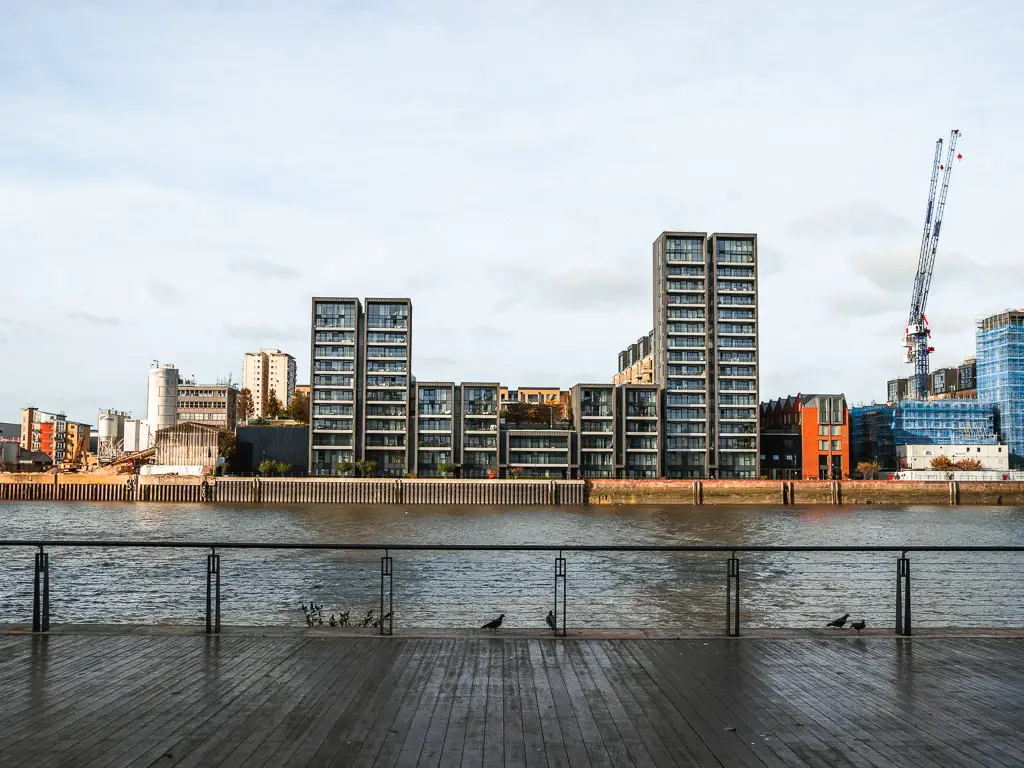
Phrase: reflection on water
pixel 464 589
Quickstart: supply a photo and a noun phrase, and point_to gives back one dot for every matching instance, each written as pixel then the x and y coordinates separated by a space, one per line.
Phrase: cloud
pixel 770 261
pixel 88 317
pixel 852 219
pixel 264 268
pixel 263 334
pixel 436 360
pixel 487 332
pixel 585 288
pixel 165 292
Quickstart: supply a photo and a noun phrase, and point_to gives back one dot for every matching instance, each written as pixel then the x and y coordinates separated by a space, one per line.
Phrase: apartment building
pixel 436 438
pixel 212 405
pixel 336 400
pixel 636 362
pixel 706 354
pixel 593 409
pixel 478 428
pixel 806 437
pixel 266 371
pixel 538 453
pixel 387 385
pixel 54 435
pixel 638 431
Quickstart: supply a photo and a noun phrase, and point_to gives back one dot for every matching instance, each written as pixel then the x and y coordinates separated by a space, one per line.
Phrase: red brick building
pixel 805 437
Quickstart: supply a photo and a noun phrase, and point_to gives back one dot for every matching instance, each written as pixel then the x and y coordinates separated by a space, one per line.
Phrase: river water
pixel 464 589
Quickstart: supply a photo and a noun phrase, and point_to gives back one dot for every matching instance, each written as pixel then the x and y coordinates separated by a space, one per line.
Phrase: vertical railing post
pixel 903 624
pixel 732 597
pixel 385 574
pixel 560 571
pixel 41 593
pixel 213 593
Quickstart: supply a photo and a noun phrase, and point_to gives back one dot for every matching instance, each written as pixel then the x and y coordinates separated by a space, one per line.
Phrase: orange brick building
pixel 805 437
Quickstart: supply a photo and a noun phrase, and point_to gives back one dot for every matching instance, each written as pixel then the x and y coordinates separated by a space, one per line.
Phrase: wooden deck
pixel 249 700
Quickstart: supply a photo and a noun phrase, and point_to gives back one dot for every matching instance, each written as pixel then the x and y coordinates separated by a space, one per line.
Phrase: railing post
pixel 213 593
pixel 732 598
pixel 41 593
pixel 385 573
pixel 903 625
pixel 560 583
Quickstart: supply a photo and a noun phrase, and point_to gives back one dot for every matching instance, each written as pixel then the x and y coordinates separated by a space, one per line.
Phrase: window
pixel 837 430
pixel 823 445
pixel 836 445
pixel 822 430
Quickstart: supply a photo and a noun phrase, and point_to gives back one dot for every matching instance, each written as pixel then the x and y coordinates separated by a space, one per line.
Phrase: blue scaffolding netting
pixel 1000 355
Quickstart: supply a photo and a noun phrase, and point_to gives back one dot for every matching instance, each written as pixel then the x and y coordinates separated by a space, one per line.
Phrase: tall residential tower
pixel 266 371
pixel 705 353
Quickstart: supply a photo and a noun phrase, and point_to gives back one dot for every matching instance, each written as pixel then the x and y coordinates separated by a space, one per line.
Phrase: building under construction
pixel 876 431
pixel 1000 354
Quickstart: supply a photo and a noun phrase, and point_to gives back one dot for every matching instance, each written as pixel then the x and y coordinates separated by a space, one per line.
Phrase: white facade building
pixel 992 457
pixel 266 370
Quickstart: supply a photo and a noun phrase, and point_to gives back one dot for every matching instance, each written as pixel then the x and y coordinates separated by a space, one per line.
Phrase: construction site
pixel 978 403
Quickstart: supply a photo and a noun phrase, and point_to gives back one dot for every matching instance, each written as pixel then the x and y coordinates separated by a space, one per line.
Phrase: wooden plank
pixel 572 737
pixel 513 736
pixel 416 724
pixel 455 731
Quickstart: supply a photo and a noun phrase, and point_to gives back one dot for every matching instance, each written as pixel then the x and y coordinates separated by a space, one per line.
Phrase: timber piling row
pixel 261 490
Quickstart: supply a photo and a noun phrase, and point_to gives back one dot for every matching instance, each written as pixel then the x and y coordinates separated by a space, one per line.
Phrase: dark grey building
pixel 706 352
pixel 538 453
pixel 435 433
pixel 285 445
pixel 478 428
pixel 335 370
pixel 387 350
pixel 638 426
pixel 593 410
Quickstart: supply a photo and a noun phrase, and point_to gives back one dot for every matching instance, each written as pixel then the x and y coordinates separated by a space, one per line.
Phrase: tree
pixel 366 468
pixel 298 408
pixel 226 448
pixel 244 408
pixel 345 468
pixel 868 467
pixel 515 472
pixel 968 465
pixel 942 464
pixel 447 468
pixel 273 406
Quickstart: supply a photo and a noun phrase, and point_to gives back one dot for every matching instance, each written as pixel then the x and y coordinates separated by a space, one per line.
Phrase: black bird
pixel 840 622
pixel 493 624
pixel 858 625
pixel 550 619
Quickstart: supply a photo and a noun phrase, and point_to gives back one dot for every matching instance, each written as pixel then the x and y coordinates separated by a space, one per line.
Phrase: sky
pixel 177 180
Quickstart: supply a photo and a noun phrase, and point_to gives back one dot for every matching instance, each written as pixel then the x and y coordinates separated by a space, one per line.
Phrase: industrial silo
pixel 162 401
pixel 111 434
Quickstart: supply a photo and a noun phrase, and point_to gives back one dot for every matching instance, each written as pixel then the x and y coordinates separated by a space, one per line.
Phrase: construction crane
pixel 916 344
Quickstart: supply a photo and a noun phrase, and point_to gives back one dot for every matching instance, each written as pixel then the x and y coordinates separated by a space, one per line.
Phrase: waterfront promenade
pixel 105 696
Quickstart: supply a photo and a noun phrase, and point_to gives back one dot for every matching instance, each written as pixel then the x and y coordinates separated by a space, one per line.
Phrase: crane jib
pixel 915 342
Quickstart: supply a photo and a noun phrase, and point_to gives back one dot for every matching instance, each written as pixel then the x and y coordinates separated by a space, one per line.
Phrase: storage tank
pixel 162 400
pixel 111 425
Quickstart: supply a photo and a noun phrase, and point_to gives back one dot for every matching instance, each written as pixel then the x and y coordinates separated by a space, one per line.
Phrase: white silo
pixel 162 400
pixel 111 434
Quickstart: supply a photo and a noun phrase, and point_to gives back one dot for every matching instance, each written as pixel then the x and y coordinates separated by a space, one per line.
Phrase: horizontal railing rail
pixel 557 618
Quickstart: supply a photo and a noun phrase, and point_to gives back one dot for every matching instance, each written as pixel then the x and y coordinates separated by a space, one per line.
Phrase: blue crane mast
pixel 916 347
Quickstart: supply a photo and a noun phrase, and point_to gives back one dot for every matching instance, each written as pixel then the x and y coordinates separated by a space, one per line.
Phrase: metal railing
pixel 731 573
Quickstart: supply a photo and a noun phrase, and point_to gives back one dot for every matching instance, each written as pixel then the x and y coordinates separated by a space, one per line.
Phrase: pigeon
pixel 840 622
pixel 550 619
pixel 334 621
pixel 493 624
pixel 858 625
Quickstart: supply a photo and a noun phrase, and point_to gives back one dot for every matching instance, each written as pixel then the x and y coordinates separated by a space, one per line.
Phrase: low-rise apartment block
pixel 538 453
pixel 593 408
pixel 478 427
pixel 436 435
pixel 638 431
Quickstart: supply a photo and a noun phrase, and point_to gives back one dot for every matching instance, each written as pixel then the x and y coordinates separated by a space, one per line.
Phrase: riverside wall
pixel 169 488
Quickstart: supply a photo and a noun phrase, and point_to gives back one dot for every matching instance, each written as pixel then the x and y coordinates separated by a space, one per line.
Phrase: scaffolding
pixel 877 430
pixel 1000 356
